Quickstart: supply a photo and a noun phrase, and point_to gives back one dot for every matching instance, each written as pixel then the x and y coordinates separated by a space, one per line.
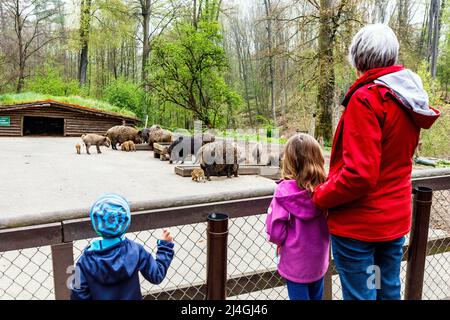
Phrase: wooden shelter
pixel 53 118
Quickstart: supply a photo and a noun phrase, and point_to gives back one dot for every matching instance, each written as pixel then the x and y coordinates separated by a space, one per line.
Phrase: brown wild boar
pixel 218 158
pixel 157 134
pixel 78 147
pixel 128 146
pixel 125 146
pixel 131 146
pixel 120 134
pixel 262 155
pixel 198 175
pixel 95 139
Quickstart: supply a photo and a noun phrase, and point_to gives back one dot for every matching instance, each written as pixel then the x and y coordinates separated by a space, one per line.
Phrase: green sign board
pixel 5 121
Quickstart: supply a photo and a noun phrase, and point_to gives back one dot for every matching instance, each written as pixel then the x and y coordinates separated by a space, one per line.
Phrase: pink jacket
pixel 300 229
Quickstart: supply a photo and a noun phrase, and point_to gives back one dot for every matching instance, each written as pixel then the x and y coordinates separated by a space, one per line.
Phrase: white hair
pixel 374 46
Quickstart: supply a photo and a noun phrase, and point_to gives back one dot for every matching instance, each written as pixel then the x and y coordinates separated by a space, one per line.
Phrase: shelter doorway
pixel 43 126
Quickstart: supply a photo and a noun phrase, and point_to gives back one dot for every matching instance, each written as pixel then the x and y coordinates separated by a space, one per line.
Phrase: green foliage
pixel 435 141
pixel 430 85
pixel 14 98
pixel 125 94
pixel 187 71
pixel 443 69
pixel 48 81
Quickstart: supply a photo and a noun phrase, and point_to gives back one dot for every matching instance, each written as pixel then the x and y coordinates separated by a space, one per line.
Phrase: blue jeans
pixel 305 291
pixel 368 270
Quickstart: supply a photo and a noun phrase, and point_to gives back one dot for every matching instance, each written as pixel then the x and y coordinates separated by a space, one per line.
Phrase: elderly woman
pixel 368 191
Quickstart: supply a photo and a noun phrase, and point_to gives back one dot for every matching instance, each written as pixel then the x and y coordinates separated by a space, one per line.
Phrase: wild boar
pixel 125 146
pixel 78 147
pixel 158 134
pixel 198 175
pixel 262 155
pixel 207 138
pixel 120 134
pixel 218 158
pixel 95 139
pixel 128 146
pixel 131 146
pixel 183 147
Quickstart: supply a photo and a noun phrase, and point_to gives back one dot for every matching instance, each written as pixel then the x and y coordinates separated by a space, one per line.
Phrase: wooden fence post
pixel 417 250
pixel 62 259
pixel 216 265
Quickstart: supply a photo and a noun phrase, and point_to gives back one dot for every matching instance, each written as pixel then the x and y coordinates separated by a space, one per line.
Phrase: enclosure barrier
pixel 418 239
pixel 36 261
pixel 216 266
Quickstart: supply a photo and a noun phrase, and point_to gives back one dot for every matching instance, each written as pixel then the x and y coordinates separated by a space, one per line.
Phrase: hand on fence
pixel 166 236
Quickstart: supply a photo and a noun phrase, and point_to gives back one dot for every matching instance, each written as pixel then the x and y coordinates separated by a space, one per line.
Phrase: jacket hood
pixel 406 87
pixel 296 201
pixel 113 264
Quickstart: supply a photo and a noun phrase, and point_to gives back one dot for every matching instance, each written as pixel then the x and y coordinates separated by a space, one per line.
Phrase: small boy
pixel 109 267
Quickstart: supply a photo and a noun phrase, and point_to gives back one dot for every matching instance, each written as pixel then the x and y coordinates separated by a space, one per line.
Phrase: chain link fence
pixel 27 273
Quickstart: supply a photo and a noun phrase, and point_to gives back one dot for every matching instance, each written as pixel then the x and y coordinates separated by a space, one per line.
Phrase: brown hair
pixel 303 161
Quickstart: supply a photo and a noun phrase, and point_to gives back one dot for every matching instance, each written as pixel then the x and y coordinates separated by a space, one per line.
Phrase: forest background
pixel 229 63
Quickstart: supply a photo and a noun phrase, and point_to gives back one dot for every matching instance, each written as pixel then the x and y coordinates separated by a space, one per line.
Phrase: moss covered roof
pixel 74 101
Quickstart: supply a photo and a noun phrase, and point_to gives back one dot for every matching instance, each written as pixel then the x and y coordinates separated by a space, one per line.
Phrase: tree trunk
pixel 403 26
pixel 243 70
pixel 146 8
pixel 19 23
pixel 85 24
pixel 326 80
pixel 268 8
pixel 433 35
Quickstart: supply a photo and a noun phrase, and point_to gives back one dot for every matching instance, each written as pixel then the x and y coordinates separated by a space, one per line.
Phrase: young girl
pixel 295 225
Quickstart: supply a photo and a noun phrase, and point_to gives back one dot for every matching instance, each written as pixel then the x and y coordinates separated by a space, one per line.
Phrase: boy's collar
pixel 103 243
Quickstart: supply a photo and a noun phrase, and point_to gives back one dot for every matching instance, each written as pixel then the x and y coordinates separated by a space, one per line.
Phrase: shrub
pixel 125 94
pixel 49 81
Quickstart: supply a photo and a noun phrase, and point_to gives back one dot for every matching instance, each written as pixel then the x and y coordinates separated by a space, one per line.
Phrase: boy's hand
pixel 166 236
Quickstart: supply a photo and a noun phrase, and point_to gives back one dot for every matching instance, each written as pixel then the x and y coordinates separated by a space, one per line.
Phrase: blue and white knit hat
pixel 110 215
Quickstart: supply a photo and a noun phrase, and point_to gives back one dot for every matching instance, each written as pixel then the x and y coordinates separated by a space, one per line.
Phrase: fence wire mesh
pixel 27 273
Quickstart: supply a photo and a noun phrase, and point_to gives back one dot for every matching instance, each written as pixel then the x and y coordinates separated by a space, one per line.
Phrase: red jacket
pixel 368 191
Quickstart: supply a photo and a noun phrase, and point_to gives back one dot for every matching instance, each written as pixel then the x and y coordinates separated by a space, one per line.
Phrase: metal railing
pixel 35 261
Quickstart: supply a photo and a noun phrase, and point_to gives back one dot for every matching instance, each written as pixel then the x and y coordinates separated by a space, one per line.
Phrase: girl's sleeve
pixel 276 223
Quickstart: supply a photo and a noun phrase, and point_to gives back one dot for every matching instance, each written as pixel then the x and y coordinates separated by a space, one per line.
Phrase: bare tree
pixel 268 8
pixel 28 17
pixel 243 65
pixel 163 13
pixel 329 21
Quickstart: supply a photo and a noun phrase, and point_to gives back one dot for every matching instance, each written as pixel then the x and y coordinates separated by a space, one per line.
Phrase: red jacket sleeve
pixel 361 156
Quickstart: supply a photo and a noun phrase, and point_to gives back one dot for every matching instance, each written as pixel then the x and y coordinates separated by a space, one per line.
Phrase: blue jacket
pixel 113 273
